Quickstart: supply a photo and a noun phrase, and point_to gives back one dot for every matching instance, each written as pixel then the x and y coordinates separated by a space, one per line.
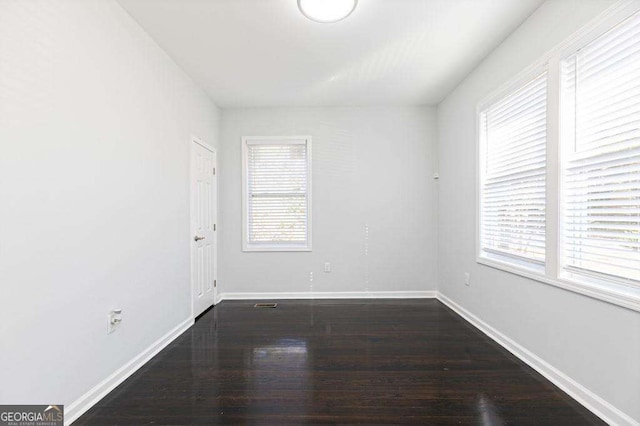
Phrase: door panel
pixel 203 219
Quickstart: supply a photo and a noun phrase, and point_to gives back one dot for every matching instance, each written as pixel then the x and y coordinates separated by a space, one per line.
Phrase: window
pixel 513 170
pixel 559 165
pixel 277 194
pixel 601 156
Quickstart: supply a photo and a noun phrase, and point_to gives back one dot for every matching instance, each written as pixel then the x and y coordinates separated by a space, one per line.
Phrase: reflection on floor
pixel 331 361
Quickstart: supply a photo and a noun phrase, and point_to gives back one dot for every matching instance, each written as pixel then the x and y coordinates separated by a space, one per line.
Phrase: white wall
pixel 95 122
pixel 95 127
pixel 371 167
pixel 594 343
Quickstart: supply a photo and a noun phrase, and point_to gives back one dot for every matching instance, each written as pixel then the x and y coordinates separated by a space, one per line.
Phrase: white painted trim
pixel 610 16
pixel 331 295
pixel 615 291
pixel 513 86
pixel 218 298
pixel 251 140
pixel 89 399
pixel 629 300
pixel 202 143
pixel 216 226
pixel 291 249
pixel 594 403
pixel 584 396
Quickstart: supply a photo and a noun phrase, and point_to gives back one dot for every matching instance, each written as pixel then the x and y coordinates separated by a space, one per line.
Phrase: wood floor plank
pixel 328 362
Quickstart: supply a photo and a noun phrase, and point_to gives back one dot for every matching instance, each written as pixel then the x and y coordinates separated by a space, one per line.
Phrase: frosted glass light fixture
pixel 327 11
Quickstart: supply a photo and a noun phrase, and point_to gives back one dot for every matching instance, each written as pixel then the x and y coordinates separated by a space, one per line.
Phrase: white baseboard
pixel 584 396
pixel 89 399
pixel 331 295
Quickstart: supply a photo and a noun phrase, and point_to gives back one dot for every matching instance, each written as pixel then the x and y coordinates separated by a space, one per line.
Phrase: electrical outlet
pixel 467 279
pixel 327 267
pixel 114 320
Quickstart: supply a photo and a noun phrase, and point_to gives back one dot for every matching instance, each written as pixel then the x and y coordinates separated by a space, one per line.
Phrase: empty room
pixel 319 212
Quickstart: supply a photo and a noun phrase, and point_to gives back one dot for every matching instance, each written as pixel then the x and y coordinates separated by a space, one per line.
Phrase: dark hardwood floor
pixel 356 361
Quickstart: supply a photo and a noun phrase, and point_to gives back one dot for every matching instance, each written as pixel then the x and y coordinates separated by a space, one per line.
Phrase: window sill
pixel 254 249
pixel 611 293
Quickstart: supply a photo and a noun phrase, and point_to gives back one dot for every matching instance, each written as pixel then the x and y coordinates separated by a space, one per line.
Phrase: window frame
pixel 274 247
pixel 613 291
pixel 513 86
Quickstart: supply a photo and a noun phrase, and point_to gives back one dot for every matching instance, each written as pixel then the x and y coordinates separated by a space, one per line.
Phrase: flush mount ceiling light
pixel 327 11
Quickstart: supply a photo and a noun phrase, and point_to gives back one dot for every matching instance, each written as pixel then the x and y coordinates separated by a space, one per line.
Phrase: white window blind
pixel 277 194
pixel 513 168
pixel 601 156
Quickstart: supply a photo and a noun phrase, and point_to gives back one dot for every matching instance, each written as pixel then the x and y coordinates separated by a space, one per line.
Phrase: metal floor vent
pixel 265 305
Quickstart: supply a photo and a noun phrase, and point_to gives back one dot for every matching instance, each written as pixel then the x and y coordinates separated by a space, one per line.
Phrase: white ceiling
pixel 257 53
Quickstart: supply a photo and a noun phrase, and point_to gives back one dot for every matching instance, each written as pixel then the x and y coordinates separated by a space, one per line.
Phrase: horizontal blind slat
pixel 513 178
pixel 601 166
pixel 277 202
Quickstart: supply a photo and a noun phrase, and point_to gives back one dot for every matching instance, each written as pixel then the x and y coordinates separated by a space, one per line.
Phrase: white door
pixel 203 226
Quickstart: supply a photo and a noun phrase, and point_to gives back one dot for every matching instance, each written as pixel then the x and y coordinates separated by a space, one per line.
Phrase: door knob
pixel 198 238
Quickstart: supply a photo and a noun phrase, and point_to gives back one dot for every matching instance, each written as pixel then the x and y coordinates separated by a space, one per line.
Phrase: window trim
pixel 512 86
pixel 271 247
pixel 611 291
